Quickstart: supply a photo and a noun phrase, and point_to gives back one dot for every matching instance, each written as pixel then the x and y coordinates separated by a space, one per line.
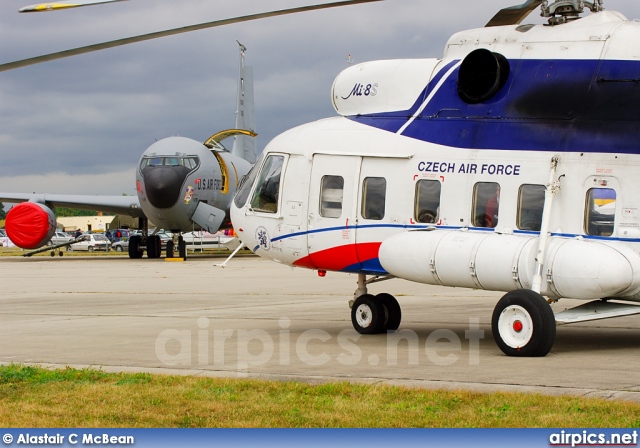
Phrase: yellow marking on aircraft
pixel 218 137
pixel 42 7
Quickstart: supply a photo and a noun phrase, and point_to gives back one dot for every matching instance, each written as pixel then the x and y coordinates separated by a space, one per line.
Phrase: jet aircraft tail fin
pixel 244 146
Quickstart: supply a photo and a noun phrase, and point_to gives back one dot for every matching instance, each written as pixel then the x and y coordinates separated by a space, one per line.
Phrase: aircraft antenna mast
pixel 563 11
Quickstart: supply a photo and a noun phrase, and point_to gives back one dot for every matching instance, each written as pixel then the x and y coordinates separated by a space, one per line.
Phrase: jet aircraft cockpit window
pixel 189 162
pixel 331 193
pixel 486 201
pixel 265 196
pixel 530 205
pixel 374 193
pixel 600 211
pixel 427 201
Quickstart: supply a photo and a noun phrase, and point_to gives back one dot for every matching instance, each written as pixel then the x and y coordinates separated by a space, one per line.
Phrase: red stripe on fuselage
pixel 338 258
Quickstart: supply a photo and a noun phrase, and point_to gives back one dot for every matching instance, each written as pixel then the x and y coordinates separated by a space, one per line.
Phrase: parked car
pixel 60 238
pixel 92 242
pixel 124 234
pixel 120 246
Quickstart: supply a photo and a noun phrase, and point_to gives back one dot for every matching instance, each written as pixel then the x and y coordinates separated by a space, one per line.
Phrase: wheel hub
pixel 364 316
pixel 515 326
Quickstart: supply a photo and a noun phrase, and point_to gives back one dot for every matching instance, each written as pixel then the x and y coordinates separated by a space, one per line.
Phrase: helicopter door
pixel 332 212
pixel 382 208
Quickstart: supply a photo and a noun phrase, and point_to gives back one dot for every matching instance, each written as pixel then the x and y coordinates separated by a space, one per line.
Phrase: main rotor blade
pixel 514 15
pixel 171 32
pixel 63 4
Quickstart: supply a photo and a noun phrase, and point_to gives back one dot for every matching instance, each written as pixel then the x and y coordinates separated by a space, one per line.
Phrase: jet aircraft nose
pixel 163 184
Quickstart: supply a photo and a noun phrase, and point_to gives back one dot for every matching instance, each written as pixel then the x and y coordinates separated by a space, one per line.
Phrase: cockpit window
pixel 189 162
pixel 245 187
pixel 265 197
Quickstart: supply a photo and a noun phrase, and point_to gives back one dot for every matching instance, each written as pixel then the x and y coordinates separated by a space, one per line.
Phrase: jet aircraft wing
pixel 41 7
pixel 121 205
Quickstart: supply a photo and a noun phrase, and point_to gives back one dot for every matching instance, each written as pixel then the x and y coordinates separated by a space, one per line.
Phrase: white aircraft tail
pixel 244 146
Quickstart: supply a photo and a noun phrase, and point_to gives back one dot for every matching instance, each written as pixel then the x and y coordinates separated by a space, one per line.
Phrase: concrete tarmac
pixel 259 319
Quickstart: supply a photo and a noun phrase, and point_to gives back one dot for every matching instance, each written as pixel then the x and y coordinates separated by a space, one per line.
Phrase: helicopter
pixel 507 164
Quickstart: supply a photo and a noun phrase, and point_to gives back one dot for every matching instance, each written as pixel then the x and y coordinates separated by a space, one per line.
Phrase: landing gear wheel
pixel 61 253
pixel 170 249
pixel 134 247
pixel 523 324
pixel 154 245
pixel 182 248
pixel 393 311
pixel 368 315
pixel 53 253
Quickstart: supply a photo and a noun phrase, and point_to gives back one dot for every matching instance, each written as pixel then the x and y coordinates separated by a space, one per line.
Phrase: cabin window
pixel 486 202
pixel 331 192
pixel 265 197
pixel 374 192
pixel 600 211
pixel 427 201
pixel 530 205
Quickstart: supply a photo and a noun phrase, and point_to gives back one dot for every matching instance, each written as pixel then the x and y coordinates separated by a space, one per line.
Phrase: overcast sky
pixel 79 125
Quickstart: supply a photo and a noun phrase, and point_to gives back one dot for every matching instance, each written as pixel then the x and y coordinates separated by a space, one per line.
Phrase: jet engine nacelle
pixel 574 268
pixel 381 86
pixel 30 225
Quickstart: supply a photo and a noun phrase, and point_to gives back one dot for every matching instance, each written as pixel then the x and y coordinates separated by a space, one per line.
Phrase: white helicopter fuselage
pixel 402 183
pixel 451 251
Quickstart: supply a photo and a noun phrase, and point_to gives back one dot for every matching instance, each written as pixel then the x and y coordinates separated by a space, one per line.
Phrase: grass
pixel 36 397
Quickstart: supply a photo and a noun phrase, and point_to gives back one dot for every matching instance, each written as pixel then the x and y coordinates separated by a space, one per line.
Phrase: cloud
pixel 66 123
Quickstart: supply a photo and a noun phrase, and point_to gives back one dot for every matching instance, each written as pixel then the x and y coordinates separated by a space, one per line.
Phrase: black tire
pixel 134 247
pixel 368 315
pixel 170 249
pixel 154 245
pixel 182 248
pixel 53 253
pixel 523 324
pixel 61 253
pixel 393 311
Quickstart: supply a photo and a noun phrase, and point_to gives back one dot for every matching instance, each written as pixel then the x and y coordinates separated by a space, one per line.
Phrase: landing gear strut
pixel 374 314
pixel 177 241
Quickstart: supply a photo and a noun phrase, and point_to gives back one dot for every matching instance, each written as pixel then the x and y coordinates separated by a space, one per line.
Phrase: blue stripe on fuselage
pixel 554 105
